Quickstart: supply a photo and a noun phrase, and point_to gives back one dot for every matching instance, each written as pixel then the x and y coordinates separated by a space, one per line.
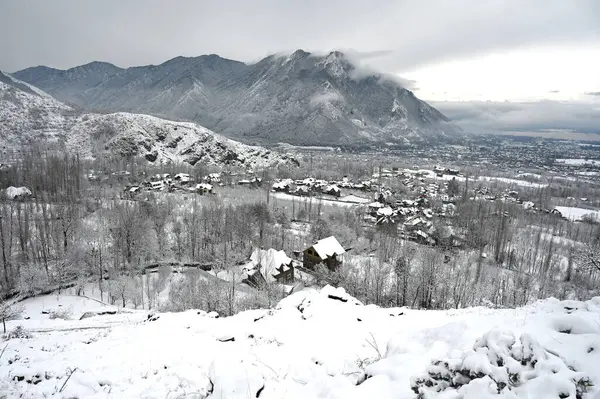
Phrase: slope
pixel 314 344
pixel 29 116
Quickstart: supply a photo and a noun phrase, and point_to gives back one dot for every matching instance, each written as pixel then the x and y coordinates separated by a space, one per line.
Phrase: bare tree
pixel 9 311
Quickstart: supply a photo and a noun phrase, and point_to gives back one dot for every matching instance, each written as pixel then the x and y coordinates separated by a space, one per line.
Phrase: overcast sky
pixel 457 50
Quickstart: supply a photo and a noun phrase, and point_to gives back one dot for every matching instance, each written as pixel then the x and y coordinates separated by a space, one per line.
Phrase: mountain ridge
pixel 28 116
pixel 300 98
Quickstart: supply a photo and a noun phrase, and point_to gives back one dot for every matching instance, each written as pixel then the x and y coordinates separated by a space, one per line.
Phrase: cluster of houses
pixel 311 186
pixel 180 182
pixel 412 218
pixel 512 196
pixel 271 266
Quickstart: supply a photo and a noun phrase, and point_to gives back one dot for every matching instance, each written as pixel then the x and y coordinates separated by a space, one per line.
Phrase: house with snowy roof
pixel 283 185
pixel 327 251
pixel 183 178
pixel 332 190
pixel 17 193
pixel 204 188
pixel 268 266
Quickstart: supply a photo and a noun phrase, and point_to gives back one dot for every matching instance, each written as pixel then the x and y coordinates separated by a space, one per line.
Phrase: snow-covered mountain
pixel 30 116
pixel 301 98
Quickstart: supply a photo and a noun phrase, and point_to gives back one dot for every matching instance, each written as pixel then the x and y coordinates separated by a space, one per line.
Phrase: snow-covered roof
pixel 528 205
pixel 386 211
pixel 267 261
pixel 14 192
pixel 328 247
pixel 414 221
pixel 283 183
pixel 354 199
pixel 184 177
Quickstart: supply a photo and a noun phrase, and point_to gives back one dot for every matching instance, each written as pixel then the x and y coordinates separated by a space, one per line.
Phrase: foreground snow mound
pixel 501 366
pixel 313 344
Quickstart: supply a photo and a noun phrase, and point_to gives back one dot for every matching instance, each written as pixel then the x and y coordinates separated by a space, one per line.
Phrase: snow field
pixel 314 344
pixel 576 214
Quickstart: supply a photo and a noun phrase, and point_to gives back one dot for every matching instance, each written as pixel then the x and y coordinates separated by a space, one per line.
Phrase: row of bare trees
pixel 73 231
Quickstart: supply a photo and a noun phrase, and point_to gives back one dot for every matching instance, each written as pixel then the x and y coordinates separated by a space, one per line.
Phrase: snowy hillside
pixel 314 344
pixel 301 98
pixel 162 140
pixel 28 115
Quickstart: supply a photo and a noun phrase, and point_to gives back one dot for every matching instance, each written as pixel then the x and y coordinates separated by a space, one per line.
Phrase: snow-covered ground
pixel 315 200
pixel 578 161
pixel 314 344
pixel 576 214
pixel 513 182
pixel 430 174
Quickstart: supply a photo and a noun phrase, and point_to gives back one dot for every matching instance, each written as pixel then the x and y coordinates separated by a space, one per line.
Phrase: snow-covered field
pixel 578 161
pixel 430 174
pixel 576 214
pixel 290 197
pixel 513 182
pixel 314 344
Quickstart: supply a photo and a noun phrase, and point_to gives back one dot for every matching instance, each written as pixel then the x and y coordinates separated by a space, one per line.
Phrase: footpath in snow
pixel 314 344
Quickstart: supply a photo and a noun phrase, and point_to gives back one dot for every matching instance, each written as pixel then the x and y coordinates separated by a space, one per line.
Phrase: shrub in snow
pixel 32 280
pixel 63 314
pixel 18 332
pixel 500 366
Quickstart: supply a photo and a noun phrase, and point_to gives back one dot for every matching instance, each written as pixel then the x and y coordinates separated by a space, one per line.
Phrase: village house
pixel 157 185
pixel 332 190
pixel 254 182
pixel 326 251
pixel 268 266
pixel 17 193
pixel 302 191
pixel 213 178
pixel 133 191
pixel 283 186
pixel 183 178
pixel 204 188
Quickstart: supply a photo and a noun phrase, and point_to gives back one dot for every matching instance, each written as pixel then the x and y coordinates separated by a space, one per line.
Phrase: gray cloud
pixel 542 118
pixel 389 35
pixel 325 97
pixel 592 93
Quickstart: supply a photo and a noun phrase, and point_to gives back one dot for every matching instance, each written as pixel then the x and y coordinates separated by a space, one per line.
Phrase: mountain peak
pixel 336 54
pixel 97 65
pixel 337 64
pixel 299 98
pixel 298 54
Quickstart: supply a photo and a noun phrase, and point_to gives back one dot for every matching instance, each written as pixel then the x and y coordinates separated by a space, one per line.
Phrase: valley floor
pixel 314 344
